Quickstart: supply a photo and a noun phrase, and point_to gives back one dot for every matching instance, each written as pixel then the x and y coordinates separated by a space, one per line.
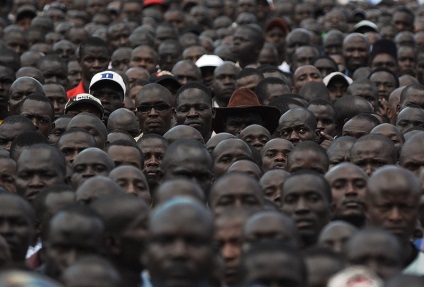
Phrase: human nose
pixel 36 181
pixel 294 136
pixel 229 252
pixel 395 214
pixel 301 206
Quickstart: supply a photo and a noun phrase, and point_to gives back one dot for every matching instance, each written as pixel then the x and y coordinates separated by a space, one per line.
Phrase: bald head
pixel 178 187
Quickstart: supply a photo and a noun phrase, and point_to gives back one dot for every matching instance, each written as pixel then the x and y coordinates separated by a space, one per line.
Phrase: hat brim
pixel 80 102
pixel 270 115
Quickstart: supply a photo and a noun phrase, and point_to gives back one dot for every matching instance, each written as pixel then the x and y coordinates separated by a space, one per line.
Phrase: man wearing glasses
pixel 154 109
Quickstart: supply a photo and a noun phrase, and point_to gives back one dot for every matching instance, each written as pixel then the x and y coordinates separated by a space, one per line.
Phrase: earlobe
pixel 213 113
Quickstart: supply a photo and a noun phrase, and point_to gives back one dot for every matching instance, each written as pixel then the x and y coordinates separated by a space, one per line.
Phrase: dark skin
pixel 235 190
pixel 179 254
pixel 153 151
pixel 400 191
pixel 70 237
pixel 73 143
pixel 92 61
pixel 303 199
pixel 226 153
pixel 348 186
pixel 256 136
pixel 17 225
pixel 132 181
pixel 336 234
pixel 297 125
pixel 275 153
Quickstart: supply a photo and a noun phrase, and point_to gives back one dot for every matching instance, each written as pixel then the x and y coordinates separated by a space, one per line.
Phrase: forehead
pixel 126 172
pixel 33 106
pixel 193 95
pixel 278 144
pixel 254 130
pixel 321 109
pixel 230 146
pixel 175 223
pixel 274 177
pixel 237 184
pixel 144 51
pixel 303 183
pixel 305 70
pixel 82 121
pixel 225 69
pixel 94 51
pixel 411 114
pixel 152 143
pixel 91 157
pixel 345 172
pixel 24 85
pixel 355 41
pixel 295 117
pixel 10 205
pixel 152 95
pixel 38 157
pixel 382 76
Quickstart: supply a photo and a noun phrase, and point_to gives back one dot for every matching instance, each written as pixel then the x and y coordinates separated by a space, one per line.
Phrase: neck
pixel 409 253
pixel 86 83
pixel 129 278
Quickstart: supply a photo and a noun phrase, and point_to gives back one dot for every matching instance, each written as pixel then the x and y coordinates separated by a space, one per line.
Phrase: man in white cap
pixel 337 84
pixel 109 88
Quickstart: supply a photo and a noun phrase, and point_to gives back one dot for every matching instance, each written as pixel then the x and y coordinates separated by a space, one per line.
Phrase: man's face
pixel 8 132
pixel 6 80
pixel 385 83
pixel 168 56
pixel 255 135
pixel 377 253
pixel 337 88
pixel 89 165
pixel 54 73
pixel 19 92
pixel 57 95
pixel 413 97
pixel 348 186
pixel 224 82
pixel 94 60
pixel 8 174
pixel 70 237
pixel 304 75
pixel 65 51
pixel 325 118
pixel 37 169
pixel 370 155
pixel 118 36
pixel 226 153
pixel 294 127
pixel 412 158
pixel 194 164
pixel 307 159
pixel 194 109
pixel 111 96
pixel 305 201
pixel 40 115
pixel 59 127
pixel 355 53
pixel 274 267
pixel 402 21
pixel 333 45
pixel 179 254
pixel 385 61
pixel 406 60
pixel 153 151
pixel 234 124
pixel 74 73
pixel 272 183
pixel 125 155
pixel 325 66
pixel 156 119
pixel 244 43
pixel 236 191
pixel 16 227
pixel 185 73
pixel 145 58
pixel 366 92
pixel 275 153
pixel 121 59
pixel 132 181
pixel 357 128
pixel 74 143
pixel 90 125
pixel 228 238
pixel 336 236
pixel 393 208
pixel 304 56
pixel 294 41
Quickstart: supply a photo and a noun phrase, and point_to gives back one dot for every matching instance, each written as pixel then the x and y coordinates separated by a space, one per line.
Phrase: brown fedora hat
pixel 243 100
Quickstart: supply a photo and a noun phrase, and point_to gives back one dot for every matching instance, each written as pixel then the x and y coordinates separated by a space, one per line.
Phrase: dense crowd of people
pixel 221 143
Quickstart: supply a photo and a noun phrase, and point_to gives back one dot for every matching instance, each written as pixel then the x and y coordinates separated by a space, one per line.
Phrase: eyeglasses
pixel 158 108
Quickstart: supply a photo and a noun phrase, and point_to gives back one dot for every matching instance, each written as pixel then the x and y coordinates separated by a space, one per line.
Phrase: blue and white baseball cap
pixel 107 76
